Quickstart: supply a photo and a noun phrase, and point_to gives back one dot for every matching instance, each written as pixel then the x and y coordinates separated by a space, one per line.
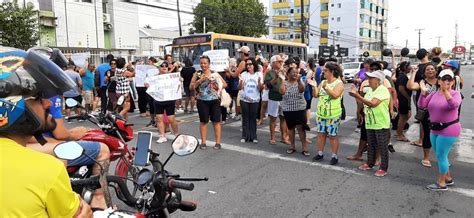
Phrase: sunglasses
pixel 113 63
pixel 249 64
pixel 164 65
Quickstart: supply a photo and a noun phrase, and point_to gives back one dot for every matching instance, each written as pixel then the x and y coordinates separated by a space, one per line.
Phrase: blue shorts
pixel 91 151
pixel 328 126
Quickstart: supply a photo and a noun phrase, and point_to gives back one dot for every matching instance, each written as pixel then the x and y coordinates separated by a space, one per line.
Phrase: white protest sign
pixel 80 58
pixel 219 59
pixel 166 87
pixel 141 72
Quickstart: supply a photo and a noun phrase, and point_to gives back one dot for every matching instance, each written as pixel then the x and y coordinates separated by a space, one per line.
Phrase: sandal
pixel 426 163
pixel 285 142
pixel 415 143
pixel 217 146
pixel 203 146
pixel 402 139
pixel 308 141
pixel 305 153
pixel 272 142
pixel 290 151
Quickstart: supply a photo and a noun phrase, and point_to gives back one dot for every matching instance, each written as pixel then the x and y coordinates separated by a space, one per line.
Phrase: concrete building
pixel 285 19
pixel 354 24
pixel 155 42
pixel 96 26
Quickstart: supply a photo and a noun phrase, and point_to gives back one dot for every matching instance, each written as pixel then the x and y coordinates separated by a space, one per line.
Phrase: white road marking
pixel 465 147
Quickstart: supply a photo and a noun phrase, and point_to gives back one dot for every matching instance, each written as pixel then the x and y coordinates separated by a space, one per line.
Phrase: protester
pixel 429 81
pixel 74 93
pixel 233 87
pixel 445 127
pixel 111 81
pixel 421 55
pixel 294 109
pixel 122 76
pixel 101 71
pixel 308 92
pixel 187 74
pixel 404 99
pixel 273 81
pixel 206 84
pixel 162 107
pixel 377 120
pixel 251 84
pixel 329 110
pixel 87 77
pixel 140 77
pixel 264 99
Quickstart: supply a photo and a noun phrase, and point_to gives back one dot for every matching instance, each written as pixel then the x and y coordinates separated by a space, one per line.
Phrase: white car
pixel 350 69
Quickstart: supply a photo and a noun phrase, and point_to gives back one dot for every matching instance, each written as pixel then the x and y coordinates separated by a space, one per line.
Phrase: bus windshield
pixel 191 52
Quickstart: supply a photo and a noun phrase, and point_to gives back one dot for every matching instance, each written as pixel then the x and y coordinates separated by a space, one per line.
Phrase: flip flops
pixel 414 143
pixel 403 139
pixel 426 163
pixel 290 151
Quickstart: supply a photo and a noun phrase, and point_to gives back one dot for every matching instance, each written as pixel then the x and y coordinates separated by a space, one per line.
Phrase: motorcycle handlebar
pixel 187 205
pixel 129 199
pixel 179 184
pixel 92 182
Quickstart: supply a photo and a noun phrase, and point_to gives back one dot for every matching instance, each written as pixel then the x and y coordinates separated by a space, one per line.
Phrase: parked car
pixel 463 62
pixel 350 69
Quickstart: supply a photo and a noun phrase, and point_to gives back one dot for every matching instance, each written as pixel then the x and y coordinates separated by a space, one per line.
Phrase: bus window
pixel 217 44
pixel 191 52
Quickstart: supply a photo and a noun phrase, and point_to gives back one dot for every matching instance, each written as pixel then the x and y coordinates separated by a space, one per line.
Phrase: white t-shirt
pixel 250 92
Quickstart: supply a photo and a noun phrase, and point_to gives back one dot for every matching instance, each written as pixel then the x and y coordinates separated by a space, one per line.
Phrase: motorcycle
pixel 159 191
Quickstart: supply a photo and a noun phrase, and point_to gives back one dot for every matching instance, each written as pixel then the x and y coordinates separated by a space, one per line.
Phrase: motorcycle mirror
pixel 184 145
pixel 120 100
pixel 71 102
pixel 68 150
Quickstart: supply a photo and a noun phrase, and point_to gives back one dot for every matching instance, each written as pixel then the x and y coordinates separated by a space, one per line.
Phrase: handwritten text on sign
pixel 166 87
pixel 219 59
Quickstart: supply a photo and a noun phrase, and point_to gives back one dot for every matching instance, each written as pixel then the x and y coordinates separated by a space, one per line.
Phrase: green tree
pixel 18 26
pixel 236 17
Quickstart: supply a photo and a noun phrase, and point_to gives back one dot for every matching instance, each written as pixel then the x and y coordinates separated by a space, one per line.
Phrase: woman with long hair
pixel 430 82
pixel 250 84
pixel 404 98
pixel 329 110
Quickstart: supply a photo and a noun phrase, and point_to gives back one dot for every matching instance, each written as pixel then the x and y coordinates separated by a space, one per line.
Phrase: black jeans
pixel 249 120
pixel 103 98
pixel 142 99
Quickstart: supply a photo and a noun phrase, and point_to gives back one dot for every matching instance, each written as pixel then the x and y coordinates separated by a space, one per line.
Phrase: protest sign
pixel 219 59
pixel 165 87
pixel 80 58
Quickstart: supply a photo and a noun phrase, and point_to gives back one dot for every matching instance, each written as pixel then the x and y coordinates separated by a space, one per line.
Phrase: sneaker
pixel 242 140
pixel 333 161
pixel 318 157
pixel 357 130
pixel 161 140
pixel 390 148
pixel 436 187
pixel 380 173
pixel 255 141
pixel 364 167
pixel 449 182
pixel 203 146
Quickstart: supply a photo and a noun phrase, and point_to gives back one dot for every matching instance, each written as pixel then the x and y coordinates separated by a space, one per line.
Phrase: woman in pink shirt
pixel 445 128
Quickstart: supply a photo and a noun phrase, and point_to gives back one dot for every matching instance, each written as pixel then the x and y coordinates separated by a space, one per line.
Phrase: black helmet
pixel 24 75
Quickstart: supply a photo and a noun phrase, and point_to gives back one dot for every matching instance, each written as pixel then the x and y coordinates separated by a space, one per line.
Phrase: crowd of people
pixel 282 88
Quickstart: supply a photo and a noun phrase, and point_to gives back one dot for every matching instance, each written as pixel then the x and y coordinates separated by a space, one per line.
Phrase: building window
pixel 324 20
pixel 338 19
pixel 332 18
pixel 297 36
pixel 377 9
pixel 298 10
pixel 339 5
pixel 338 32
pixel 332 5
pixel 324 33
pixel 324 6
pixel 383 12
pixel 291 11
pixel 291 36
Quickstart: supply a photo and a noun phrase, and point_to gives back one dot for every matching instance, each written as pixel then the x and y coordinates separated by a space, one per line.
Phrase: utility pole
pixel 179 19
pixel 419 37
pixel 381 38
pixel 456 34
pixel 406 43
pixel 204 25
pixel 439 40
pixel 302 22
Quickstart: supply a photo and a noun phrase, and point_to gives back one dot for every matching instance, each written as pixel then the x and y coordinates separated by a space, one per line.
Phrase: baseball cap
pixel 244 49
pixel 446 72
pixel 452 63
pixel 377 74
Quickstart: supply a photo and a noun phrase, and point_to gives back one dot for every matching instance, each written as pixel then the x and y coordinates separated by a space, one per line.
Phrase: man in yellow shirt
pixel 32 184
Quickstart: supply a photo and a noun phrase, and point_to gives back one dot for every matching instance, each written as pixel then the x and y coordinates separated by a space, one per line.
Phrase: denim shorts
pixel 91 151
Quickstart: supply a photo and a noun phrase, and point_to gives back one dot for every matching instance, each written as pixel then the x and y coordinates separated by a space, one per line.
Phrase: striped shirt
pixel 293 99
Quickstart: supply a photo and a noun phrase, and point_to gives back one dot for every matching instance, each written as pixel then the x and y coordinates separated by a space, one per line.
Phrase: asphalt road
pixel 248 180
